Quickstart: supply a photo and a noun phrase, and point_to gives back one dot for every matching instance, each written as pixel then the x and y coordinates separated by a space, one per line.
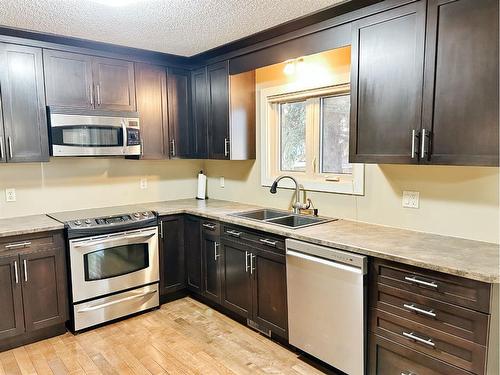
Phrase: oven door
pixel 80 135
pixel 111 263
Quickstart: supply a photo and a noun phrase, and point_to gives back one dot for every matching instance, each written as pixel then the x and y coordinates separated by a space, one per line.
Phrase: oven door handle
pixel 113 239
pixel 110 303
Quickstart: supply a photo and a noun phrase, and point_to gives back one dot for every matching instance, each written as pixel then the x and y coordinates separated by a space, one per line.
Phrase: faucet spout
pixel 297 206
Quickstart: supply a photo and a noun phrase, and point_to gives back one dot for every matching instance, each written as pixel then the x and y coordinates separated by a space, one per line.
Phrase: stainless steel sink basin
pixel 282 218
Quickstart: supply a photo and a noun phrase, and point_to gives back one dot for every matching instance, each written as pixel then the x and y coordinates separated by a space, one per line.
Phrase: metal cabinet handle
pixel 268 242
pixel 416 309
pixel 91 93
pixel 25 265
pixel 413 137
pixel 216 247
pixel 173 147
pixel 421 340
pixel 226 146
pixel 16 272
pixel 233 233
pixel 1 147
pixel 413 279
pixel 209 226
pixel 161 229
pixel 408 373
pixel 246 260
pixel 9 146
pixel 19 244
pixel 98 93
pixel 252 268
pixel 424 137
pixel 142 147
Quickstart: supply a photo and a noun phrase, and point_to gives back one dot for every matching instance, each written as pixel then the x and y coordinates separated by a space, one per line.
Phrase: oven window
pixel 115 261
pixel 87 136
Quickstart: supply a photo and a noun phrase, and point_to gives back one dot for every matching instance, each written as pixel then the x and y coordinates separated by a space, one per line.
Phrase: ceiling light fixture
pixel 117 3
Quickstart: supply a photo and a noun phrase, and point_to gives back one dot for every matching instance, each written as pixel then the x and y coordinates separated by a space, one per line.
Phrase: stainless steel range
pixel 114 266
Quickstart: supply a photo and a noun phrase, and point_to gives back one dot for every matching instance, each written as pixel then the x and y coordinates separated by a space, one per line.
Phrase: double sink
pixel 282 218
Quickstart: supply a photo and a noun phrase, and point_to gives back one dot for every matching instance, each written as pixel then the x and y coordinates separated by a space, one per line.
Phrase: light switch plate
pixel 411 199
pixel 144 183
pixel 222 182
pixel 10 195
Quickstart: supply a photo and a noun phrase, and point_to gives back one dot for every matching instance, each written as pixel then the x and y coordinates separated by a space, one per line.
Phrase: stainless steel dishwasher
pixel 327 304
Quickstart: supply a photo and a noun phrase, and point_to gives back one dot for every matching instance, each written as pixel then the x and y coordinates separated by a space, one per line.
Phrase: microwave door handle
pixel 124 127
pixel 113 239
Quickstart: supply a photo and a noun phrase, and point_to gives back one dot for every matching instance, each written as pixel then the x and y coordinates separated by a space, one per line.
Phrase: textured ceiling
pixel 182 27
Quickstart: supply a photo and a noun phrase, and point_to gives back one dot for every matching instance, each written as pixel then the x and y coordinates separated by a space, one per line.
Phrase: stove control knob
pixel 145 214
pixel 137 215
pixel 78 222
pixel 88 221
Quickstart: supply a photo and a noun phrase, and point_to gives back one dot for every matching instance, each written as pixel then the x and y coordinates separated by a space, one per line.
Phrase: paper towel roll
pixel 202 186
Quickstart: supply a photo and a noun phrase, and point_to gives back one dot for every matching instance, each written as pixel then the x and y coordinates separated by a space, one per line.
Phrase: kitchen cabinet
pixel 151 95
pixel 211 260
pixel 32 288
pixel 24 134
pixel 89 82
pixel 172 273
pixel 460 111
pixel 199 130
pixel 179 112
pixel 387 56
pixel 254 279
pixel 218 112
pixel 193 253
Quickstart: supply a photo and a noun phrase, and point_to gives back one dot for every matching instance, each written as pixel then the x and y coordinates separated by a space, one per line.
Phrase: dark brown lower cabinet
pixel 33 290
pixel 192 253
pixel 172 275
pixel 210 247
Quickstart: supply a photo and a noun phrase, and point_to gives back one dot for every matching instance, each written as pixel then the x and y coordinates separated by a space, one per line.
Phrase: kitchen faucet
pixel 298 205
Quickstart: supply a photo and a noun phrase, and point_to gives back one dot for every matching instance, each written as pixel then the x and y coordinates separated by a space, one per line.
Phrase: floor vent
pixel 257 327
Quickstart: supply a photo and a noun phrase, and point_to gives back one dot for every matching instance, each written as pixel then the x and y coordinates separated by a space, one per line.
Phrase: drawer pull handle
pixel 234 233
pixel 16 245
pixel 412 336
pixel 268 242
pixel 413 279
pixel 408 373
pixel 416 309
pixel 209 226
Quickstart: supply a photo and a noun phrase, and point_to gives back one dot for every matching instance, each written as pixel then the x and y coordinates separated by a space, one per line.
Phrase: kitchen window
pixel 306 134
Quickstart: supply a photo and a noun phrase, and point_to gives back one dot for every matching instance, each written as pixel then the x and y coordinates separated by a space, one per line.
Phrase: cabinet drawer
pixel 261 240
pixel 32 242
pixel 390 358
pixel 458 321
pixel 448 348
pixel 209 226
pixel 447 288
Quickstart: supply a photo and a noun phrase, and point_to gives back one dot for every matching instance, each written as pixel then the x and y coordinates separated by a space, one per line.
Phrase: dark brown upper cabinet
pixel 231 113
pixel 151 94
pixel 386 85
pixel 179 112
pixel 89 82
pixel 460 111
pixel 199 129
pixel 23 136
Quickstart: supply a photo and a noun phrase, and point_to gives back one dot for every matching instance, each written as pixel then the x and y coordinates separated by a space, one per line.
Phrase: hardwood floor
pixel 182 337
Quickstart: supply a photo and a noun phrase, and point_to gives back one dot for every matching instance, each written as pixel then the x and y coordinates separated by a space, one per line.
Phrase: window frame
pixel 352 184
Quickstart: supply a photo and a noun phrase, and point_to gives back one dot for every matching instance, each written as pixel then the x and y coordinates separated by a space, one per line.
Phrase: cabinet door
pixel 199 92
pixel 192 247
pixel 172 254
pixel 269 292
pixel 218 110
pixel 68 79
pixel 44 288
pixel 11 308
pixel 3 148
pixel 211 270
pixel 236 281
pixel 23 102
pixel 461 82
pixel 151 94
pixel 179 112
pixel 114 84
pixel 386 85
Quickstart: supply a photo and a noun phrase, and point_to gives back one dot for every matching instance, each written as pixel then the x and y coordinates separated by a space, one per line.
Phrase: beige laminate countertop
pixel 471 259
pixel 28 224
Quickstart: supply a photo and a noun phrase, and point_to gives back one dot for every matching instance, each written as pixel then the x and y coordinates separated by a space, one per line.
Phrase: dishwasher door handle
pixel 326 262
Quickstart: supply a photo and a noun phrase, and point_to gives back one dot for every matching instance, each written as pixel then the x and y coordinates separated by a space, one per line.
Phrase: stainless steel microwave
pixel 94 135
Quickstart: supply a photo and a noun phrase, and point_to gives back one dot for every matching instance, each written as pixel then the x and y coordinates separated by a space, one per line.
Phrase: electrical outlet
pixel 144 183
pixel 411 199
pixel 10 195
pixel 222 182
